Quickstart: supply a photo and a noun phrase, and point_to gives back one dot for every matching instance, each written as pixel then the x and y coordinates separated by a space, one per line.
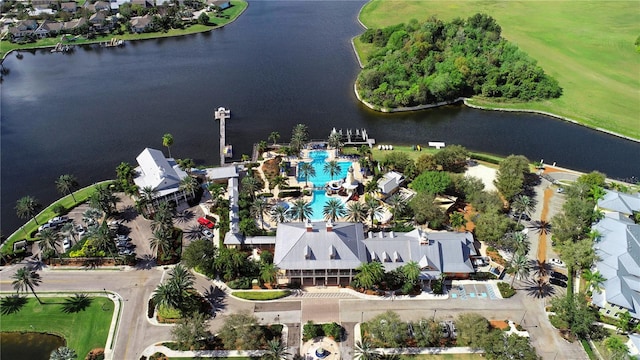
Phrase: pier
pixel 222 115
pixel 355 137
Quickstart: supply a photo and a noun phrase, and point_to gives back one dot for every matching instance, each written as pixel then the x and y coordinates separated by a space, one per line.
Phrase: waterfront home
pixel 70 7
pixel 140 23
pixel 222 4
pixel 97 6
pixel 161 174
pixel 618 251
pixel 23 28
pixel 328 254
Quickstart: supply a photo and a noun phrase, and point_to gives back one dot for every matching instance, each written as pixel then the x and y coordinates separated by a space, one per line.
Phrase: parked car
pixel 123 238
pixel 81 230
pixel 206 222
pixel 123 244
pixel 46 226
pixel 558 282
pixel 66 244
pixel 59 220
pixel 560 190
pixel 522 216
pixel 207 233
pixel 557 262
pixel 560 276
pixel 125 252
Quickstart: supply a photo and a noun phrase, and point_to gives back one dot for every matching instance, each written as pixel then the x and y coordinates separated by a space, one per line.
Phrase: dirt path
pixel 542 238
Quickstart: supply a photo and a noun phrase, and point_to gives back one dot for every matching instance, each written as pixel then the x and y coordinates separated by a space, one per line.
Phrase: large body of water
pixel 281 63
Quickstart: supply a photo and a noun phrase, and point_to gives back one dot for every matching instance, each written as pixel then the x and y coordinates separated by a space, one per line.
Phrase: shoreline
pixel 151 38
pixel 466 102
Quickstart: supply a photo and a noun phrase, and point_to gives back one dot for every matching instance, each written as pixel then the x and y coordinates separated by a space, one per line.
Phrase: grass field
pixel 261 295
pixel 83 331
pixel 232 13
pixel 586 45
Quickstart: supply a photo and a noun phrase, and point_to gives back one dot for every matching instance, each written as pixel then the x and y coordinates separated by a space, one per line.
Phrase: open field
pixel 232 13
pixel 588 46
pixel 83 331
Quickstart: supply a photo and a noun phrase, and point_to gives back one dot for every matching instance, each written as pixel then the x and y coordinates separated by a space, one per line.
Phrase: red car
pixel 206 222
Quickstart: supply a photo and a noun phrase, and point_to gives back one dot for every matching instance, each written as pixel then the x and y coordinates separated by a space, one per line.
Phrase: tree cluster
pixel 423 63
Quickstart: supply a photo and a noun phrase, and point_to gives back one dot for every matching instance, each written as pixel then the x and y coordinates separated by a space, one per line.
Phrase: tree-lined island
pixel 417 64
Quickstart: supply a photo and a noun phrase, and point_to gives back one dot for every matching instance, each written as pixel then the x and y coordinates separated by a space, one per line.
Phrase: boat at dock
pixel 112 43
pixel 61 48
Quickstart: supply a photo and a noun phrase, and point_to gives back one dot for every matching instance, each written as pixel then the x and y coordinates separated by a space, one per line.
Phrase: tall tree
pixel 67 184
pixel 307 171
pixel 434 182
pixel 411 272
pixel 276 350
pixel 167 141
pixel 397 204
pixel 189 184
pixel 49 239
pixel 521 267
pixel 452 158
pixel 300 210
pixel 279 214
pixel 258 208
pixel 299 137
pixel 160 241
pixel 241 331
pixel 278 181
pixel 332 168
pixel 356 212
pixel 274 136
pixel 26 279
pixel 333 209
pixel 104 199
pixel 250 185
pixel 510 176
pixel 457 220
pixel 617 349
pixel 27 207
pixel 522 204
pixel 190 330
pixel 471 329
pixel 370 274
pixel 373 207
pixel 268 273
pixel 593 279
pixel 334 140
pixel 102 240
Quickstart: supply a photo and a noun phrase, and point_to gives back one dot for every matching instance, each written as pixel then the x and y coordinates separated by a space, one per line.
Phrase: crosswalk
pixel 321 295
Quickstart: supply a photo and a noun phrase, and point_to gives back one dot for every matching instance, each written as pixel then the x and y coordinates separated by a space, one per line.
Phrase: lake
pixel 281 63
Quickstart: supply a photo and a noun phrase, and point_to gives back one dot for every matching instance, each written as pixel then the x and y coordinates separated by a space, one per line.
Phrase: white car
pixel 81 230
pixel 66 244
pixel 207 233
pixel 46 226
pixel 59 220
pixel 557 262
pixel 125 252
pixel 123 238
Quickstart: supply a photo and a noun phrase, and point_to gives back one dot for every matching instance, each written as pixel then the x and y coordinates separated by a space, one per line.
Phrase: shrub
pixel 506 290
pixel 311 330
pixel 59 209
pixel 261 295
pixel 265 195
pixel 166 312
pixel 332 330
pixel 242 283
pixel 482 276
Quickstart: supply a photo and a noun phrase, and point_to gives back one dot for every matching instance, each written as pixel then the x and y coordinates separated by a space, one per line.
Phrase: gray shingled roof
pixel 620 202
pixel 160 173
pixel 341 248
pixel 618 250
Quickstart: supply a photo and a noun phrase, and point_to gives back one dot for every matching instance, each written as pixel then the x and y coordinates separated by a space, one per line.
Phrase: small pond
pixel 28 345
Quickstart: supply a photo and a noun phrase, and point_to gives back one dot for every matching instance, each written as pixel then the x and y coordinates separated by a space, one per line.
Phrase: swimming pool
pixel 318 159
pixel 320 198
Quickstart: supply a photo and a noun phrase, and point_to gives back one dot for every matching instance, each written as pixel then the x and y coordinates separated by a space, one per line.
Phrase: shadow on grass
pixel 76 303
pixel 12 304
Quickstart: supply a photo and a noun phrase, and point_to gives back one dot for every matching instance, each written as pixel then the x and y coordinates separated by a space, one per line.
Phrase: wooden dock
pixel 222 115
pixel 355 137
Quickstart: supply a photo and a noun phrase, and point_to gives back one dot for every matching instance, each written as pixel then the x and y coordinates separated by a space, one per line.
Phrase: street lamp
pixel 434 314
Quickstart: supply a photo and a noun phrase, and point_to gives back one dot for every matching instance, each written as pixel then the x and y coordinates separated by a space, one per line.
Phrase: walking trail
pixel 542 238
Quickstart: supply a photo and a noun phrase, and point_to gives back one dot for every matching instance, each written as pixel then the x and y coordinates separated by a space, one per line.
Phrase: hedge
pixel 506 290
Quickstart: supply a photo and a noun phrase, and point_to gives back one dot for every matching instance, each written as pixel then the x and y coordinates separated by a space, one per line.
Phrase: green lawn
pixel 261 295
pixel 586 45
pixel 442 357
pixel 238 6
pixel 83 331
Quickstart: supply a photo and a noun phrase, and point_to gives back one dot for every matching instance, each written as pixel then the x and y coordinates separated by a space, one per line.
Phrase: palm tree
pixel 457 220
pixel 275 350
pixel 307 170
pixel 593 280
pixel 161 241
pixel 519 242
pixel 279 214
pixel 411 271
pixel 70 229
pixel 370 274
pixel 49 239
pixel 397 203
pixel 63 353
pixel 102 240
pixel 356 212
pixel 278 181
pixel 250 185
pixel 186 165
pixel 268 273
pixel 189 184
pixel 365 351
pixel 300 210
pixel 258 209
pixel 25 279
pixel 274 136
pixel 166 295
pixel 332 168
pixel 373 207
pixel 299 137
pixel 27 207
pixel 541 269
pixel 181 277
pixel 91 215
pixel 596 193
pixel 523 205
pixel 541 226
pixel 67 184
pixel 520 266
pixel 333 209
pixel 167 140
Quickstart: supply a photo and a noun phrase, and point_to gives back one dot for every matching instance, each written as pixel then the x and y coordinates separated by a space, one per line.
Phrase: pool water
pixel 318 159
pixel 317 204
